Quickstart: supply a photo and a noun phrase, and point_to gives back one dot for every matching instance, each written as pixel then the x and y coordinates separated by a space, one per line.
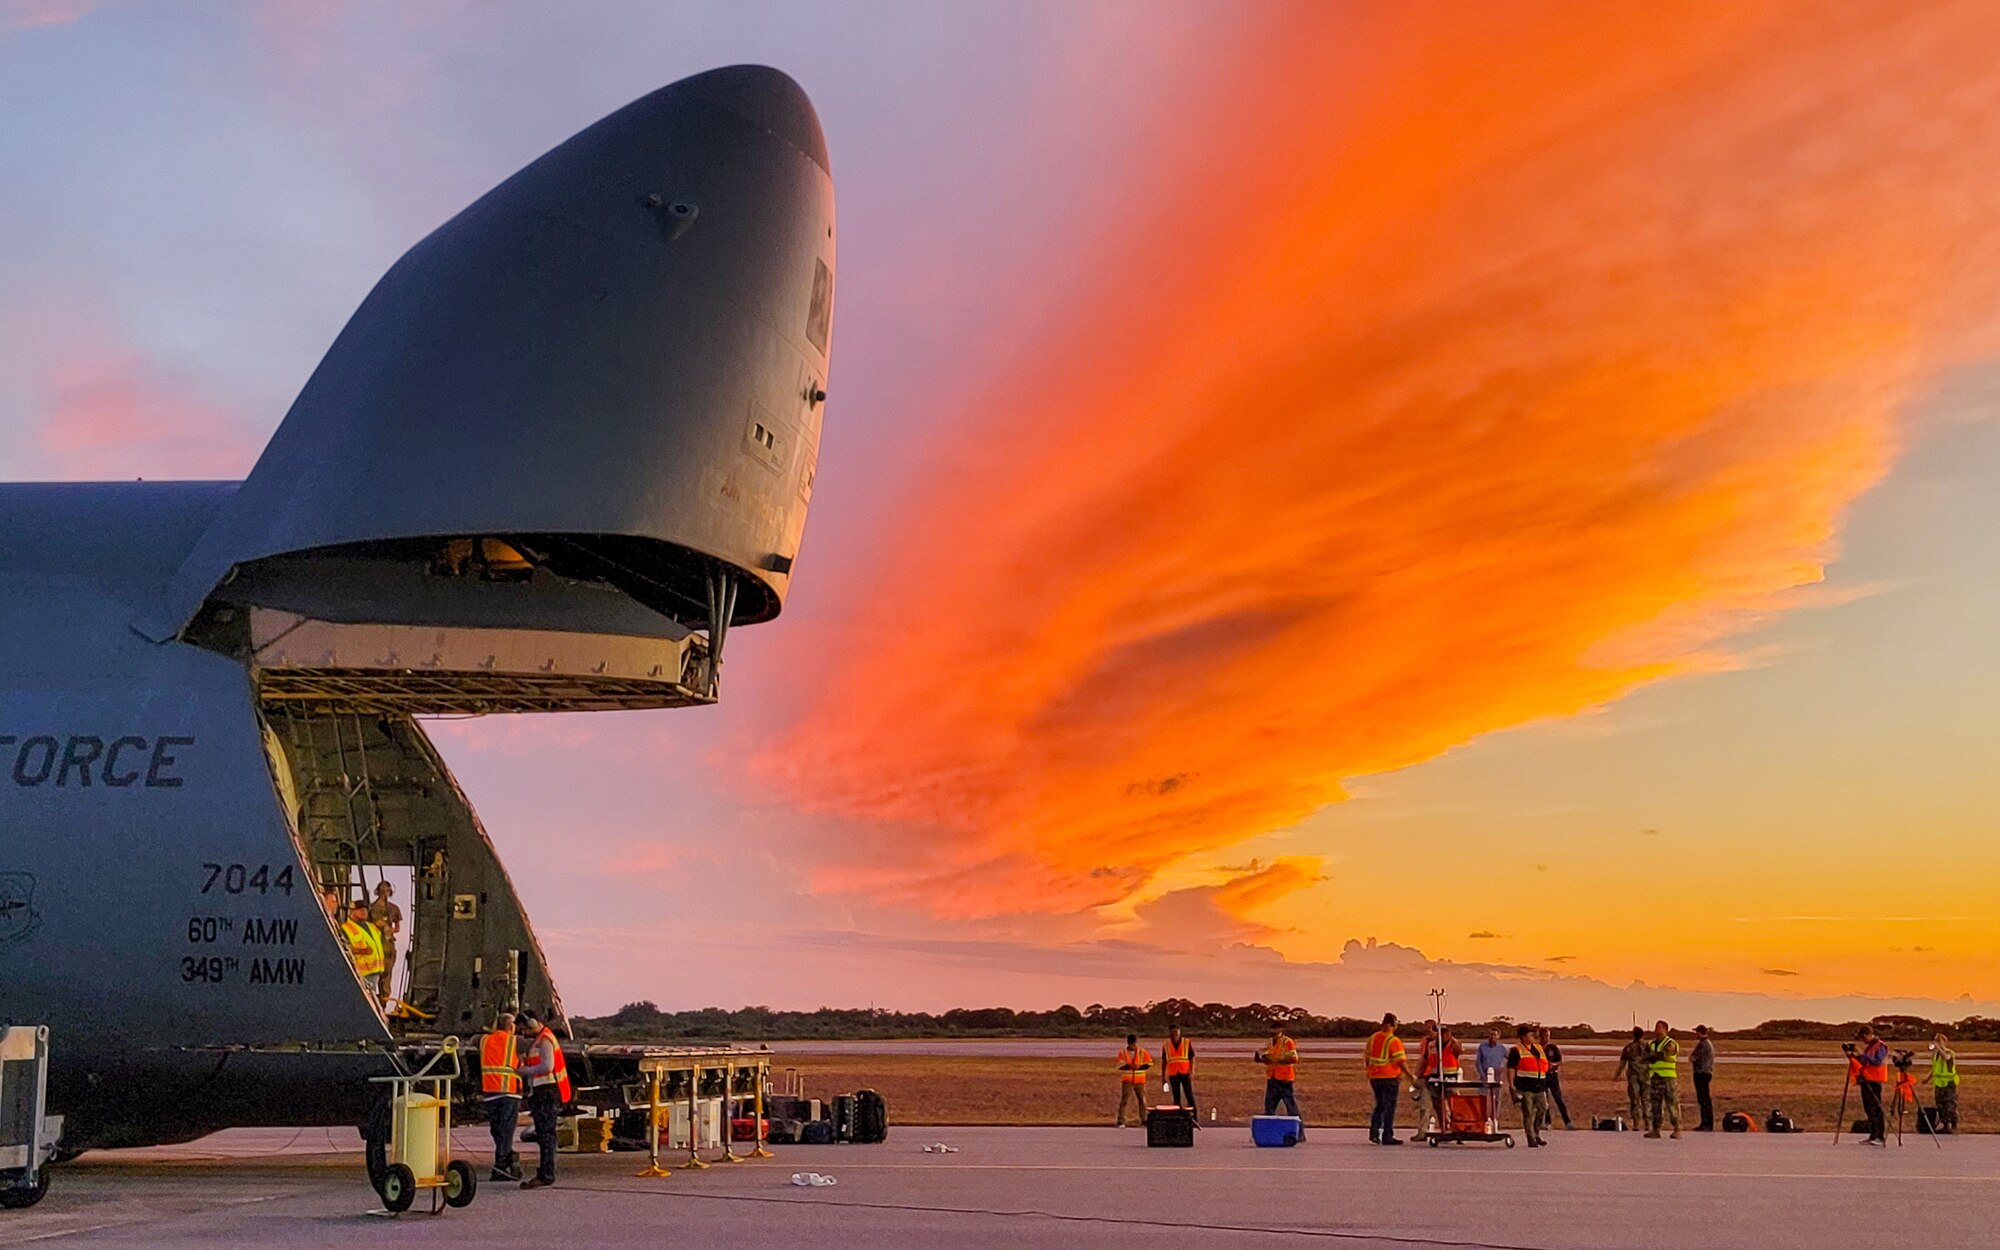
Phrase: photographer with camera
pixel 1944 1083
pixel 1868 1063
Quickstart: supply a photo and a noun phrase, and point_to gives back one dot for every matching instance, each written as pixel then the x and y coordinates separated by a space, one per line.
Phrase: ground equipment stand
pixel 691 1068
pixel 419 1153
pixel 28 1133
pixel 1463 1111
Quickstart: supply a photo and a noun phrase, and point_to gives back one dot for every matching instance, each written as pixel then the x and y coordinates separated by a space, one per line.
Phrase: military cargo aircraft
pixel 562 447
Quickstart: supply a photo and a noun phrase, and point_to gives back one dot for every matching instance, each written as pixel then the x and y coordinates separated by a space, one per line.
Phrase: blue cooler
pixel 1276 1130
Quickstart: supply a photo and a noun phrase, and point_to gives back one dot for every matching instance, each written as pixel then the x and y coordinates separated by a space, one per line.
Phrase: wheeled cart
pixel 1463 1111
pixel 419 1152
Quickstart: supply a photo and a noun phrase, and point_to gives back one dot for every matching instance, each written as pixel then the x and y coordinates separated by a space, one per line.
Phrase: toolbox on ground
pixel 1170 1126
pixel 1277 1130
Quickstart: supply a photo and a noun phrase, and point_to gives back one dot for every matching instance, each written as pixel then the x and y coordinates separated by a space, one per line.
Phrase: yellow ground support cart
pixel 419 1154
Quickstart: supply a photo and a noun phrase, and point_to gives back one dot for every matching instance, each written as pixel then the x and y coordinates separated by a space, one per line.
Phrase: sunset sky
pixel 1318 500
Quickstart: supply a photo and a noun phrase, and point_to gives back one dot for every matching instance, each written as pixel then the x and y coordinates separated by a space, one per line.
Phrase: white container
pixel 708 1122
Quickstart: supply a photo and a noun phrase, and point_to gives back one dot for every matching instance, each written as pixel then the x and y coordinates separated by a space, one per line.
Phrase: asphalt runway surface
pixel 1063 1187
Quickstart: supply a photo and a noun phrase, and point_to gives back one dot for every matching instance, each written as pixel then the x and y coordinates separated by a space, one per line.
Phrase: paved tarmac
pixel 1066 1187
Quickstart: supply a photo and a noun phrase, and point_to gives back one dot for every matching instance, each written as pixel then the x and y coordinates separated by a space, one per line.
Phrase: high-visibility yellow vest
pixel 1944 1069
pixel 364 946
pixel 1663 1056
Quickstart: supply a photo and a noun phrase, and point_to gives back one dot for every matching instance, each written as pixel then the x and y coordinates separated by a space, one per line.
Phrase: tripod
pixel 1906 1097
pixel 1840 1121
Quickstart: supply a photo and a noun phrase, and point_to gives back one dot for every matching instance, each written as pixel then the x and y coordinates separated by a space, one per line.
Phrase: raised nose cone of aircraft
pixel 766 98
pixel 615 360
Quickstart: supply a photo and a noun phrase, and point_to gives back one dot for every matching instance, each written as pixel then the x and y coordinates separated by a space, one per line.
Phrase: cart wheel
pixel 460 1184
pixel 18 1197
pixel 1509 1139
pixel 375 1136
pixel 1433 1143
pixel 399 1187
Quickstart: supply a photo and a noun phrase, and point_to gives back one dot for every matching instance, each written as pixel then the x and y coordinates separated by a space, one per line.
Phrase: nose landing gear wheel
pixel 460 1184
pixel 399 1188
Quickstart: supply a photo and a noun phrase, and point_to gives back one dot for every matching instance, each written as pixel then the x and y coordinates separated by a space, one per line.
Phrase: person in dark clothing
pixel 1870 1056
pixel 1527 1076
pixel 1703 1063
pixel 546 1074
pixel 1632 1066
pixel 1554 1088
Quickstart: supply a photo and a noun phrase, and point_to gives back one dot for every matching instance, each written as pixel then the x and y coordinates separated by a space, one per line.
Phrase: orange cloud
pixel 1201 917
pixel 1472 365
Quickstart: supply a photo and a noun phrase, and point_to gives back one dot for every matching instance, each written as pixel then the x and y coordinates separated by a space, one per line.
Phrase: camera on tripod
pixel 1903 1058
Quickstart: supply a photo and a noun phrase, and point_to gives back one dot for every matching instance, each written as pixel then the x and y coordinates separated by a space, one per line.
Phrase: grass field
pixel 972 1089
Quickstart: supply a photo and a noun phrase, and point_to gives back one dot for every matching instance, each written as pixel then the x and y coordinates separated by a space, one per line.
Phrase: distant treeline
pixel 644 1021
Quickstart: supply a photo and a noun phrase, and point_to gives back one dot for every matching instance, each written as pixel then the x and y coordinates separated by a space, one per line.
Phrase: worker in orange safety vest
pixel 547 1075
pixel 1133 1064
pixel 500 1090
pixel 1281 1069
pixel 1388 1066
pixel 1527 1077
pixel 1869 1058
pixel 1178 1056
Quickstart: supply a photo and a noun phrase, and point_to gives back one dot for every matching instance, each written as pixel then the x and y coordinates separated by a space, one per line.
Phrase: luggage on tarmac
pixel 1276 1130
pixel 843 1117
pixel 783 1132
pixel 1737 1122
pixel 871 1117
pixel 785 1107
pixel 1608 1124
pixel 816 1133
pixel 1170 1126
pixel 1779 1122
